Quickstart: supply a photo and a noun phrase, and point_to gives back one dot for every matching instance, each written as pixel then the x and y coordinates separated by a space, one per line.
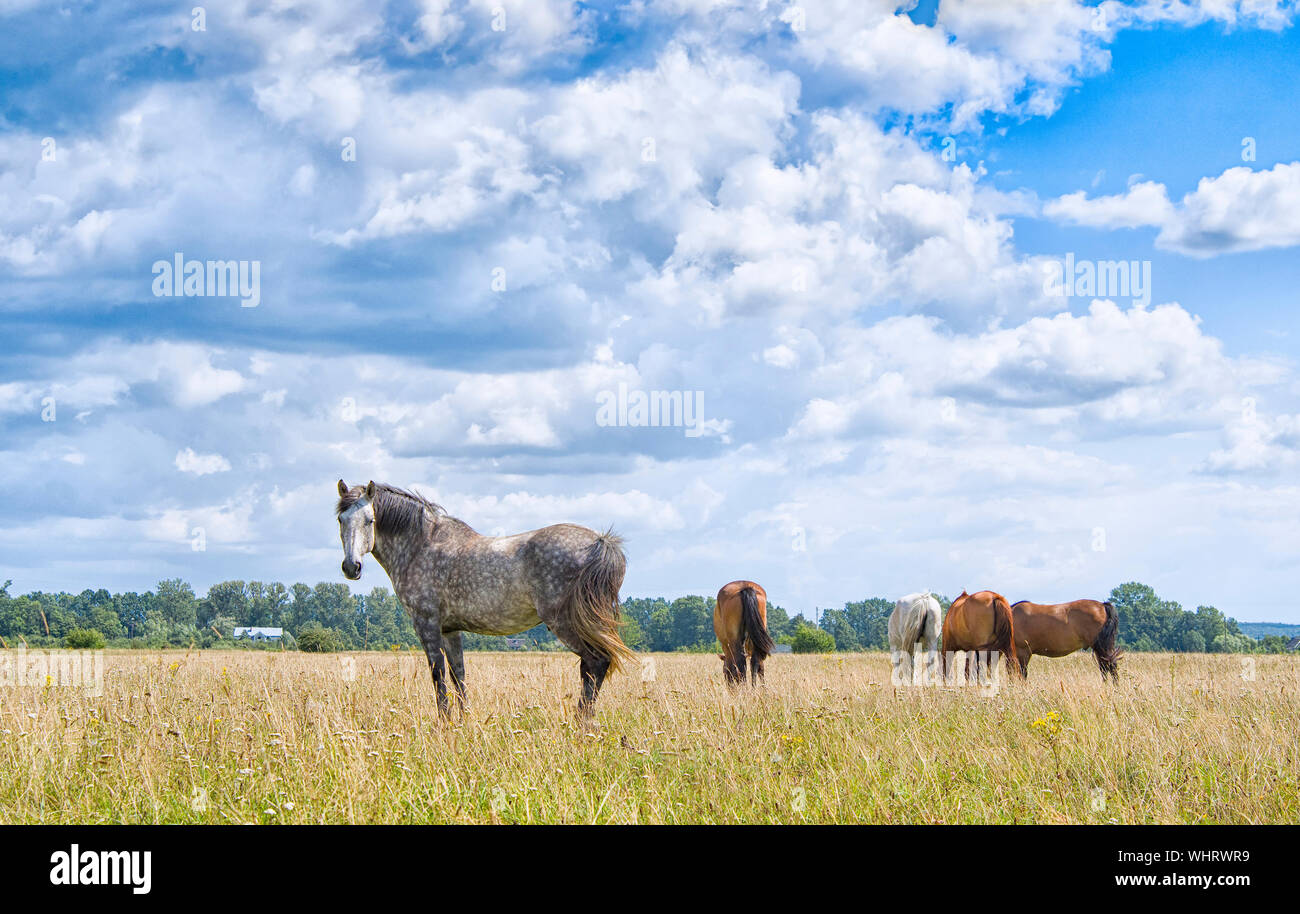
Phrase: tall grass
pixel 287 737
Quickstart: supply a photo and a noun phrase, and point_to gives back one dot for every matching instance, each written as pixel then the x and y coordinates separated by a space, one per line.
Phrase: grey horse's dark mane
pixel 396 510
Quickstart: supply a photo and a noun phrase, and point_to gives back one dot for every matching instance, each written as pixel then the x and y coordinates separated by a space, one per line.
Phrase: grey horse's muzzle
pixel 351 569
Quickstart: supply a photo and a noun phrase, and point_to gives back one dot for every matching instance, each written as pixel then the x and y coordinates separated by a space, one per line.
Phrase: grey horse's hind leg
pixel 431 637
pixel 901 658
pixel 451 646
pixel 931 667
pixel 594 668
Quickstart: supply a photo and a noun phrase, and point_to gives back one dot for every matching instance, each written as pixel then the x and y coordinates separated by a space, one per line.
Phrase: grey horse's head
pixel 356 513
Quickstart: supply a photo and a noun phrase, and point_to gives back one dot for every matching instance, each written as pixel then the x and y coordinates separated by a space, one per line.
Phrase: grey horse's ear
pixel 343 489
pixel 370 490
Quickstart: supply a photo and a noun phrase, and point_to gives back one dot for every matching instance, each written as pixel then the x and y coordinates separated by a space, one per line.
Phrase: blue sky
pixel 746 203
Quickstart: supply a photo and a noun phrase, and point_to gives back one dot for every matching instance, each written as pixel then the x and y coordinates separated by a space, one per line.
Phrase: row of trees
pixel 331 617
pixel 172 615
pixel 1146 623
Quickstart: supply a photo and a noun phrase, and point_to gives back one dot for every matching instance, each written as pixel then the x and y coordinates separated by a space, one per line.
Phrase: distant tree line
pixel 330 617
pixel 172 616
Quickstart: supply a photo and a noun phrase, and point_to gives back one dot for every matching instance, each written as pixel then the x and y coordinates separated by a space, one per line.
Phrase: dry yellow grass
pixel 286 737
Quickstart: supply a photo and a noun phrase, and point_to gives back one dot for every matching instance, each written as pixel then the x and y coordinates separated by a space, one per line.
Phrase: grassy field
pixel 252 737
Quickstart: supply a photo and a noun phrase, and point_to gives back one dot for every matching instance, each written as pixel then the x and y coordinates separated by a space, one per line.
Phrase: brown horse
pixel 740 618
pixel 1057 629
pixel 979 622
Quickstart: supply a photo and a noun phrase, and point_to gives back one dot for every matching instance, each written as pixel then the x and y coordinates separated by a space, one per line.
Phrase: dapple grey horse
pixel 451 579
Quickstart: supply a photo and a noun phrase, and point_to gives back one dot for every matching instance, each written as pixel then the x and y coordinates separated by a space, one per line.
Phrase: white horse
pixel 914 621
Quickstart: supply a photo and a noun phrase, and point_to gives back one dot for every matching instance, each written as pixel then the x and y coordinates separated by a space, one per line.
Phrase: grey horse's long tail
pixel 1104 647
pixel 754 629
pixel 925 620
pixel 592 604
pixel 933 626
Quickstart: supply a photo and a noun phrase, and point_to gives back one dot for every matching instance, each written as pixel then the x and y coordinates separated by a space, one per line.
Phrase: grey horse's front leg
pixel 456 662
pixel 430 633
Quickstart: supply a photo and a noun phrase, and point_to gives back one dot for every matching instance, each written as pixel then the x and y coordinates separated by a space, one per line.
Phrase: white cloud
pixel 1266 14
pixel 1107 374
pixel 1142 204
pixel 1257 444
pixel 187 461
pixel 1239 210
pixel 514 426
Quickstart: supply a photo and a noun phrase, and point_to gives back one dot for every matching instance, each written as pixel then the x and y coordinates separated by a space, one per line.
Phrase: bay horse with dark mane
pixel 451 579
pixel 740 620
pixel 1057 629
pixel 977 623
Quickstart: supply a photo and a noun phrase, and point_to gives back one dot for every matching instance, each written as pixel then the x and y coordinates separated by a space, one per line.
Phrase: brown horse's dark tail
pixel 1004 634
pixel 755 630
pixel 1104 648
pixel 592 605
